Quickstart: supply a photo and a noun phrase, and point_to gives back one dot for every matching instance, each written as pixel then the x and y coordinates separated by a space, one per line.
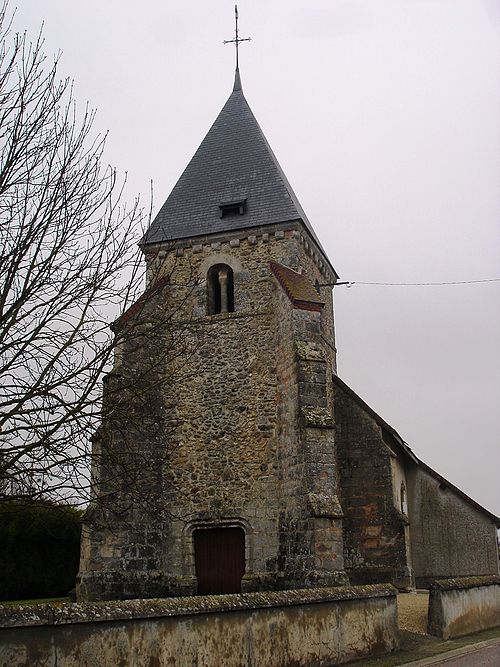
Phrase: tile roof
pixel 298 287
pixel 234 162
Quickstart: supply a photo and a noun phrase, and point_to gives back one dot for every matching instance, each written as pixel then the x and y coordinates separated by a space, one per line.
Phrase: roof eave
pixel 144 242
pixel 406 450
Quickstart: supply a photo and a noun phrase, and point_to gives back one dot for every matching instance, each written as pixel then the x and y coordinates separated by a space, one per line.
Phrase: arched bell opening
pixel 220 289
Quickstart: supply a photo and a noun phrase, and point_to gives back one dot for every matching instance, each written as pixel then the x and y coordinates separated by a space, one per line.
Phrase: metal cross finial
pixel 237 39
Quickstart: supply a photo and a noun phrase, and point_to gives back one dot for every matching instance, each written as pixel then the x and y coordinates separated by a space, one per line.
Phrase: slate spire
pixel 234 163
pixel 237 81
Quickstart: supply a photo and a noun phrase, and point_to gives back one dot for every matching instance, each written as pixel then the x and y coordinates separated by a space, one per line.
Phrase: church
pixel 268 471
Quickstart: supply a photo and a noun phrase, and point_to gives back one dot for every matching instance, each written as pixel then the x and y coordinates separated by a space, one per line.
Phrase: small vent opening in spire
pixel 235 207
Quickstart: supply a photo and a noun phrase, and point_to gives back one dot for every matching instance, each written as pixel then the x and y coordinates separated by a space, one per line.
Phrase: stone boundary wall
pixel 459 607
pixel 304 628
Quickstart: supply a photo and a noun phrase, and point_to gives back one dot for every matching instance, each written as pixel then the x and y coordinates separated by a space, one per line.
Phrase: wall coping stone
pixel 119 610
pixel 465 582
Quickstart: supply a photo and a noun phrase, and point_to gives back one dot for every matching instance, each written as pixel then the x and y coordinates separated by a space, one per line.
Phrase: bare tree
pixel 66 242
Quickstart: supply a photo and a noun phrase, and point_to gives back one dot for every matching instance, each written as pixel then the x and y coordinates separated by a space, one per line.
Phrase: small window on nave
pixel 404 503
pixel 220 289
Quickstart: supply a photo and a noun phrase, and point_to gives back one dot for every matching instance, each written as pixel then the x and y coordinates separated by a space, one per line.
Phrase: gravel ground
pixel 412 612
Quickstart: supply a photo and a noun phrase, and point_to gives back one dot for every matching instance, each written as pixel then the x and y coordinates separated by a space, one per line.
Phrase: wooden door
pixel 219 555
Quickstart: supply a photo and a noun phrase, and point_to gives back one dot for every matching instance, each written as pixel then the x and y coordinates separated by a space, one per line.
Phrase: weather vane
pixel 237 39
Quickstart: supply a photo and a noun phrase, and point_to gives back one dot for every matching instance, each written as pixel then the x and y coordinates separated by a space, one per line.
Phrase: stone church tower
pixel 249 485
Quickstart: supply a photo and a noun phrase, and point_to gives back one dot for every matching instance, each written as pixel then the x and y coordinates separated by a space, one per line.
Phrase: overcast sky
pixel 385 115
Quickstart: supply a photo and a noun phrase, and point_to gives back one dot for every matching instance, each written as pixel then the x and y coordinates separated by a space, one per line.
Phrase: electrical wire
pixel 350 283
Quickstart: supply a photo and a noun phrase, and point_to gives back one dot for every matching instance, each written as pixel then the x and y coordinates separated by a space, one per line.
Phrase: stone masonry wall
pixel 236 455
pixel 307 628
pixel 310 523
pixel 450 538
pixel 375 547
pixel 462 606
